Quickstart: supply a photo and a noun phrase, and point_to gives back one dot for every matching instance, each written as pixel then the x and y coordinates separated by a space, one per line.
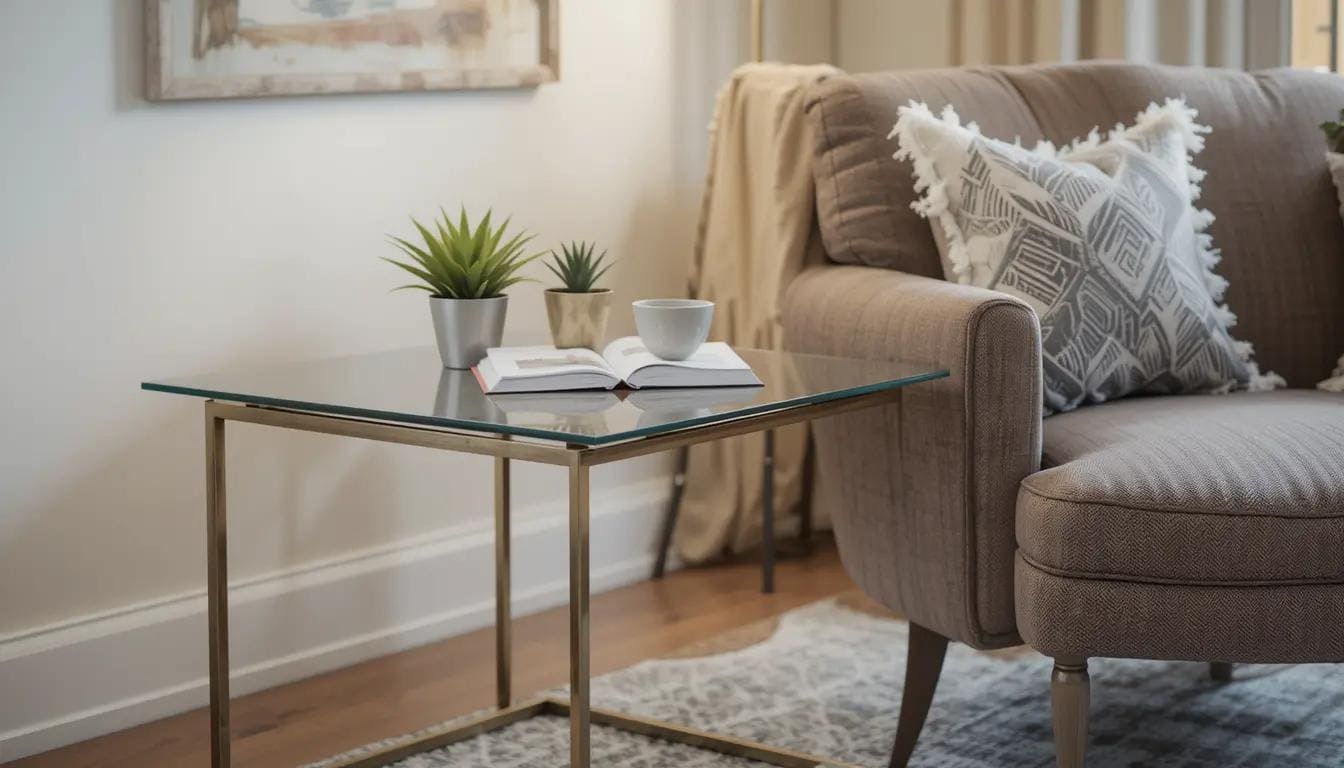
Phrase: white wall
pixel 142 240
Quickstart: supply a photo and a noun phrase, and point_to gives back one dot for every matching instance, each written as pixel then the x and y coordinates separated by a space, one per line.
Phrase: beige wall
pixel 799 31
pixel 145 240
pixel 873 35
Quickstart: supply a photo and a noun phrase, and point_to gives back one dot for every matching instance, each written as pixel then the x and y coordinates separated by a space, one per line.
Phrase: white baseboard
pixel 65 683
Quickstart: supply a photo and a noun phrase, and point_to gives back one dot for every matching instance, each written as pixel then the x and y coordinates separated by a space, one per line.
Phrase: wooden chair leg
pixel 1220 671
pixel 1070 692
pixel 923 666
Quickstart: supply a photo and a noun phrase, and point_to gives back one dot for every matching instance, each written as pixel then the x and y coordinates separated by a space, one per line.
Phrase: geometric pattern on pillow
pixel 1101 238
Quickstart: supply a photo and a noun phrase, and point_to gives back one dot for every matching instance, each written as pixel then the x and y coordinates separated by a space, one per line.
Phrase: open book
pixel 547 369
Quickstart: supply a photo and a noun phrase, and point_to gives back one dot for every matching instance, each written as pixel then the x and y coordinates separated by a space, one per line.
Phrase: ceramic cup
pixel 673 328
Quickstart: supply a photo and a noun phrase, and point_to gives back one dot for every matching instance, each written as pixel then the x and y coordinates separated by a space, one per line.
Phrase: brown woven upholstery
pixel 1072 618
pixel 1268 184
pixel 922 492
pixel 1197 527
pixel 1243 489
pixel 863 195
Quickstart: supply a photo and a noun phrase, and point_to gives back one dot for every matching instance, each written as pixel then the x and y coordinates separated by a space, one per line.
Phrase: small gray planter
pixel 465 328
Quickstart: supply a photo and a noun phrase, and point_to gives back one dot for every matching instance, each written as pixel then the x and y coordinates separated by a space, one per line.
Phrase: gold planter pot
pixel 578 319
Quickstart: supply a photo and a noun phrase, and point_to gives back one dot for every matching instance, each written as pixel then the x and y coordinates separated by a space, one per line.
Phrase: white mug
pixel 673 328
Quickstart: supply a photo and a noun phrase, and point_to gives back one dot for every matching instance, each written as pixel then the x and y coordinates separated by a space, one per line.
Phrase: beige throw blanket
pixel 756 233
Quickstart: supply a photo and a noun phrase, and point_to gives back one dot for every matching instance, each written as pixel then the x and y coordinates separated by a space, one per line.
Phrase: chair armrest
pixel 922 493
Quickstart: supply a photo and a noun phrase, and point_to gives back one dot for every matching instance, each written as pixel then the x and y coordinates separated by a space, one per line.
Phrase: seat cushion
pixel 1220 490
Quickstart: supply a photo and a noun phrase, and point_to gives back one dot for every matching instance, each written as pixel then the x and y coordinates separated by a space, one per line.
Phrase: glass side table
pixel 406 397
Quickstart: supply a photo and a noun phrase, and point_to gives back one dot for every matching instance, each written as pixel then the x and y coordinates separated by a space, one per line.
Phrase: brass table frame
pixel 578 459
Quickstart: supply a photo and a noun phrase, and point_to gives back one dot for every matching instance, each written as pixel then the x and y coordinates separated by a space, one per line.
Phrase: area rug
pixel 828 679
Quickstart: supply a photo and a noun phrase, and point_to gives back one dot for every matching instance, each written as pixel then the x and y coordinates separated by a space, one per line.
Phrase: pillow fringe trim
pixel 932 203
pixel 1175 114
pixel 1336 381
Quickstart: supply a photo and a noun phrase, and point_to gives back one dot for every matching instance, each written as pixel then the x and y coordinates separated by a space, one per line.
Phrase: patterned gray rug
pixel 828 682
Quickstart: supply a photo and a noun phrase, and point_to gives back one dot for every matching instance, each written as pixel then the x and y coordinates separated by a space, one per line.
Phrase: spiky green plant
pixel 1334 133
pixel 458 262
pixel 577 268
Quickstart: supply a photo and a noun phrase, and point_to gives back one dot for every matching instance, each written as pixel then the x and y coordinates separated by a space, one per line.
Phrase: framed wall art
pixel 208 49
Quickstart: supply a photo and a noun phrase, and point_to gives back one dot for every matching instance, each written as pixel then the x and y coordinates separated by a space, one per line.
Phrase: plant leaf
pixel 598 276
pixel 423 275
pixel 459 260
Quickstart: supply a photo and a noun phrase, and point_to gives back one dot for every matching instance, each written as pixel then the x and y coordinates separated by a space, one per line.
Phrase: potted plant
pixel 578 311
pixel 465 271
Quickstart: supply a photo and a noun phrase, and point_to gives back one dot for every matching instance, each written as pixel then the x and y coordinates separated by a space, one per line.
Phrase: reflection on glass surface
pixel 459 396
pixel 578 413
pixel 411 386
pixel 597 414
pixel 660 406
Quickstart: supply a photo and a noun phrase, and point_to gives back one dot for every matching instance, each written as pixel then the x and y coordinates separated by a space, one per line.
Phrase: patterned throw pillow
pixel 1101 238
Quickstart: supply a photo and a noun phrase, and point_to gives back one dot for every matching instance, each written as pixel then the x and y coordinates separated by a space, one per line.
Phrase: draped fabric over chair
pixel 755 235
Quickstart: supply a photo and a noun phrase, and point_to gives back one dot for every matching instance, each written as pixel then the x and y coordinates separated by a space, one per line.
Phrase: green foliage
pixel 458 262
pixel 1334 133
pixel 576 267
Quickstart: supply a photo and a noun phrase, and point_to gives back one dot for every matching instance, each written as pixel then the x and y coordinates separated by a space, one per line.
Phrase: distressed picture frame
pixel 220 49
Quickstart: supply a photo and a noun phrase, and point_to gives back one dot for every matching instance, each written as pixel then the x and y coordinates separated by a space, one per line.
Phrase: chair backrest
pixel 1278 220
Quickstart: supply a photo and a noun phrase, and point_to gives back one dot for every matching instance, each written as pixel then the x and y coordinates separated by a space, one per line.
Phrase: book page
pixel 539 361
pixel 627 355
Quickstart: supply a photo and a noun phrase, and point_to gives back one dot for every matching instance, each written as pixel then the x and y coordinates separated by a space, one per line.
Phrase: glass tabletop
pixel 411 386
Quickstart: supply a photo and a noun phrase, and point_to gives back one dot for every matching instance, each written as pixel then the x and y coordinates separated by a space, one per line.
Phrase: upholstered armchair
pixel 1196 527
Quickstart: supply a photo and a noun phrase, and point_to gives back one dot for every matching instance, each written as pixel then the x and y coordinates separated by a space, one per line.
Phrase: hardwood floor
pixel 324 715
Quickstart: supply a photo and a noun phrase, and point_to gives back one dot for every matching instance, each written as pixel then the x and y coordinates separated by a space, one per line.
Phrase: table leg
pixel 768 514
pixel 805 511
pixel 580 750
pixel 503 612
pixel 217 588
pixel 670 517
